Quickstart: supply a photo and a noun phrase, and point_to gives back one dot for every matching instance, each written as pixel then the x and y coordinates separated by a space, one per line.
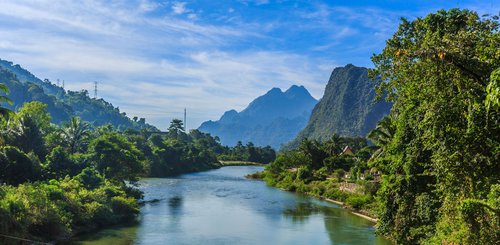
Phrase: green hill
pixel 348 107
pixel 62 104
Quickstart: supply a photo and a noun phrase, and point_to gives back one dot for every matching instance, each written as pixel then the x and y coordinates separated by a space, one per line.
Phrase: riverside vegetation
pixel 437 152
pixel 59 180
pixel 431 177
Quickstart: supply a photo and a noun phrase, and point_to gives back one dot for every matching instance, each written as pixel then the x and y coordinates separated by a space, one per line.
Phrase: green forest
pixel 429 172
pixel 61 180
pixel 63 104
pixel 432 173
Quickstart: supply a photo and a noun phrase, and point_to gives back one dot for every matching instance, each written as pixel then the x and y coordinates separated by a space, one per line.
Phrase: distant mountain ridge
pixel 62 104
pixel 348 107
pixel 271 119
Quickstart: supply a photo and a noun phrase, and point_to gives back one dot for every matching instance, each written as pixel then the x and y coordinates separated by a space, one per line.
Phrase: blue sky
pixel 153 58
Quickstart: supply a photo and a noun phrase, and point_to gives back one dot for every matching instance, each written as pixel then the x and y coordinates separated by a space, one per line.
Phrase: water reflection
pixel 300 213
pixel 222 207
pixel 175 204
pixel 341 226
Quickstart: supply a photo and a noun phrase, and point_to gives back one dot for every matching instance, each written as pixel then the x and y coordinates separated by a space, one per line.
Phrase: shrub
pixel 358 202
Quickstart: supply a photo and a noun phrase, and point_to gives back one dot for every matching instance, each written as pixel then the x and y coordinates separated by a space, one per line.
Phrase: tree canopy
pixel 441 73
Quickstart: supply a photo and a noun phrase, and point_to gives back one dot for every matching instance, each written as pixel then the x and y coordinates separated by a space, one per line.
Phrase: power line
pixel 95 90
pixel 185 123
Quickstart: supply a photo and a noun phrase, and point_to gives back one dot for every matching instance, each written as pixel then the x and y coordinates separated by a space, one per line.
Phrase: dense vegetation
pixel 441 166
pixel 326 170
pixel 61 104
pixel 56 181
pixel 438 152
pixel 271 119
pixel 347 108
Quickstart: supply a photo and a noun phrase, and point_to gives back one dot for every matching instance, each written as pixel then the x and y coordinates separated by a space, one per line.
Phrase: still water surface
pixel 222 207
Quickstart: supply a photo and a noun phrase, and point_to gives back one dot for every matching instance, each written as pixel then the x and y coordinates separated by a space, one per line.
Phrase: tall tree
pixel 4 112
pixel 75 134
pixel 445 150
pixel 382 135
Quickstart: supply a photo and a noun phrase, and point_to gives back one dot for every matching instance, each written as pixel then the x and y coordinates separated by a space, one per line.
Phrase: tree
pixel 25 133
pixel 445 150
pixel 176 130
pixel 75 134
pixel 313 149
pixel 16 167
pixel 382 135
pixel 334 145
pixel 4 112
pixel 37 111
pixel 60 163
pixel 116 158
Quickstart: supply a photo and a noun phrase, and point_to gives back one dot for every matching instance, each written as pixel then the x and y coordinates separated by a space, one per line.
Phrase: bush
pixel 358 202
pixel 336 194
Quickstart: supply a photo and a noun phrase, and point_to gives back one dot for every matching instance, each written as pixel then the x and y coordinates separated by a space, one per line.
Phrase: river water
pixel 222 207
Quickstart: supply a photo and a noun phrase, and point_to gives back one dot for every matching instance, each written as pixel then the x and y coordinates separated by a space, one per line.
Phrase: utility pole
pixel 95 90
pixel 63 84
pixel 185 124
pixel 58 82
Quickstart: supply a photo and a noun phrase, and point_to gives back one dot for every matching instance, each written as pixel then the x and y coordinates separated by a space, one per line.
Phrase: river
pixel 223 207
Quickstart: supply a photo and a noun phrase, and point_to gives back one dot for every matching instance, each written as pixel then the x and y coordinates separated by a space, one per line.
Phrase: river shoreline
pixel 355 212
pixel 360 213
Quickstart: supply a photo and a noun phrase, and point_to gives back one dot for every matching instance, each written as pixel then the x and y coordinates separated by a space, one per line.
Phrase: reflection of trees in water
pixel 301 212
pixel 125 234
pixel 342 226
pixel 175 204
pixel 346 228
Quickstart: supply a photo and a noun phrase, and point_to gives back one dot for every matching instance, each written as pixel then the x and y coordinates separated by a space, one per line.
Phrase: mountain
pixel 271 119
pixel 62 104
pixel 348 107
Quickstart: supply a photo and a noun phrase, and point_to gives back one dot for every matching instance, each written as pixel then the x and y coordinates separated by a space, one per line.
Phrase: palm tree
pixel 4 112
pixel 334 145
pixel 313 150
pixel 382 135
pixel 75 133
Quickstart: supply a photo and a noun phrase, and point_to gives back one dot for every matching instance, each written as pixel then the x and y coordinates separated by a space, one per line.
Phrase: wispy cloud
pixel 180 8
pixel 153 58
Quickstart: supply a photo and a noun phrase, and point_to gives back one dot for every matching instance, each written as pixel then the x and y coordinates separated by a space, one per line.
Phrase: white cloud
pixel 153 66
pixel 180 8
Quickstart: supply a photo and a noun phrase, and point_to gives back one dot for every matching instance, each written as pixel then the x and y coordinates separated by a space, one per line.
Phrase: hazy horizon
pixel 152 59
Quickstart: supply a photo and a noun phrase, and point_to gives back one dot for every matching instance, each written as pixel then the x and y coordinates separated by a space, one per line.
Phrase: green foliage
pixel 294 171
pixel 248 152
pixel 16 167
pixel 357 201
pixel 60 163
pixel 116 158
pixel 442 156
pixel 493 91
pixel 53 210
pixel 4 112
pixel 347 108
pixel 61 104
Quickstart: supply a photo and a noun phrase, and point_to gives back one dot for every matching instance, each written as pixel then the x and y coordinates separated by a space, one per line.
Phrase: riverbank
pixel 240 163
pixel 359 200
pixel 372 219
pixel 270 216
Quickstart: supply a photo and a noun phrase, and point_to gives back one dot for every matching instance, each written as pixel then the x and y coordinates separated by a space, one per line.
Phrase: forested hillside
pixel 62 104
pixel 347 108
pixel 58 181
pixel 433 176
